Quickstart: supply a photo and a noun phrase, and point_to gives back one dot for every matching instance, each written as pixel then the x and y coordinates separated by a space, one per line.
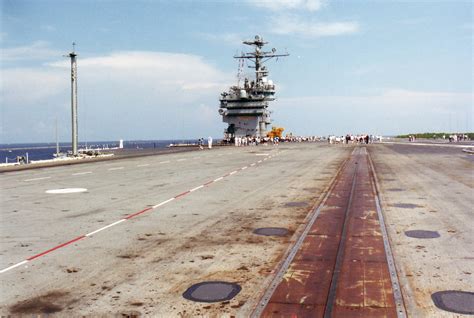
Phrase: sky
pixel 150 69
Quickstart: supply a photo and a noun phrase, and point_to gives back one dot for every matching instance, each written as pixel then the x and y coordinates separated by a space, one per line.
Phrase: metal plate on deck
pixel 422 234
pixel 271 231
pixel 212 291
pixel 406 205
pixel 456 301
pixel 296 204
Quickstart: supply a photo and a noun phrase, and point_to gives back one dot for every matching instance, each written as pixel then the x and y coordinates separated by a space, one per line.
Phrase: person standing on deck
pixel 209 142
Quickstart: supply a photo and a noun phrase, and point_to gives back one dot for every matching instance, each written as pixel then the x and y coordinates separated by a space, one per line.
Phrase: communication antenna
pixel 73 56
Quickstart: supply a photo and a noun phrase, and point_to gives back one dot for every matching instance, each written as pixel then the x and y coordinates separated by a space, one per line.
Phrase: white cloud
pixel 278 5
pixel 161 73
pixel 128 94
pixel 290 24
pixel 23 86
pixel 36 51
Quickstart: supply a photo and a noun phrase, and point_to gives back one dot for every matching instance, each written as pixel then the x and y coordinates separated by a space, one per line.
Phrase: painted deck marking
pixel 164 161
pixel 105 227
pixel 181 160
pixel 137 213
pixel 13 266
pixel 162 203
pixel 144 165
pixel 36 179
pixel 116 222
pixel 196 188
pixel 56 247
pixel 81 173
pixel 182 194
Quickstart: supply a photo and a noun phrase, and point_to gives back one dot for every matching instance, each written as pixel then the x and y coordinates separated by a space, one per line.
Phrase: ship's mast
pixel 258 57
pixel 73 56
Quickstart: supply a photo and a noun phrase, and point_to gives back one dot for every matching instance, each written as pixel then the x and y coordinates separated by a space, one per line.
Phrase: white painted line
pixel 164 161
pixel 145 165
pixel 233 172
pixel 265 159
pixel 162 203
pixel 35 179
pixel 196 188
pixel 182 160
pixel 66 190
pixel 13 266
pixel 260 161
pixel 105 227
pixel 196 157
pixel 218 179
pixel 253 164
pixel 81 173
pixel 117 168
pixel 243 168
pixel 261 154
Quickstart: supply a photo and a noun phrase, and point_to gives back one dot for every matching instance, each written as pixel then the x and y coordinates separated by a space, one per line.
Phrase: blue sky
pixel 155 69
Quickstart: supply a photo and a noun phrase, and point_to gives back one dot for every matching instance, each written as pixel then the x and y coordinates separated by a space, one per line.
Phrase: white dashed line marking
pixel 36 179
pixel 13 266
pixel 105 227
pixel 162 203
pixel 119 221
pixel 145 165
pixel 113 169
pixel 164 161
pixel 181 160
pixel 196 188
pixel 81 173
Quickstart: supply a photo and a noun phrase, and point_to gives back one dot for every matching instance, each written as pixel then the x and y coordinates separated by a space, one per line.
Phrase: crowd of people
pixel 354 139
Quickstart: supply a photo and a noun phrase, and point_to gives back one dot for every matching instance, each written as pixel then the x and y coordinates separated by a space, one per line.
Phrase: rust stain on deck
pixel 342 262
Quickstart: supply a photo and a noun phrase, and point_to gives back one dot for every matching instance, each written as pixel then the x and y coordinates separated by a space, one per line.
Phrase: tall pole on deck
pixel 73 55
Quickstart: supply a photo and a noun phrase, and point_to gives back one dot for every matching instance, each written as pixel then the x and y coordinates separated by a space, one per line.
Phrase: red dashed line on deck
pixel 56 247
pixel 128 217
pixel 137 213
pixel 182 194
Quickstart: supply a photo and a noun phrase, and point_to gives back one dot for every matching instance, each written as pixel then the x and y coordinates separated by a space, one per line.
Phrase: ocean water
pixel 42 151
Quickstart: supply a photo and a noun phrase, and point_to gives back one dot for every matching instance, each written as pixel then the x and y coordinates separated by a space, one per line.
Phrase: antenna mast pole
pixel 73 55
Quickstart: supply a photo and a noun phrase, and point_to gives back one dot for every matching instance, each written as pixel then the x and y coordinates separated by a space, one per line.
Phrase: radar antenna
pixel 258 57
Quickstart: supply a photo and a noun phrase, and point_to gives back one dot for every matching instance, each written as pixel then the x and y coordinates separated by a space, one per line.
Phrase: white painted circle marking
pixel 66 190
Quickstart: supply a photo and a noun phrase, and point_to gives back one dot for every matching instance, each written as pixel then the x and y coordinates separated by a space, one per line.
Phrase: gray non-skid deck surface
pixel 145 264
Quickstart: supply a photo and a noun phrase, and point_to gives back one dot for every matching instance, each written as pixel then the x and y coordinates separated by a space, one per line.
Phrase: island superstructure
pixel 245 107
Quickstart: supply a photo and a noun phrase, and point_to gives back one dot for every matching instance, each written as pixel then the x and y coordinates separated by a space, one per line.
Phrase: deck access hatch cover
pixel 296 204
pixel 271 231
pixel 406 205
pixel 456 301
pixel 422 234
pixel 212 291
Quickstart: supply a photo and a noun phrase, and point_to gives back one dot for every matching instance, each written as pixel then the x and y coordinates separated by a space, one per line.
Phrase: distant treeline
pixel 436 135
